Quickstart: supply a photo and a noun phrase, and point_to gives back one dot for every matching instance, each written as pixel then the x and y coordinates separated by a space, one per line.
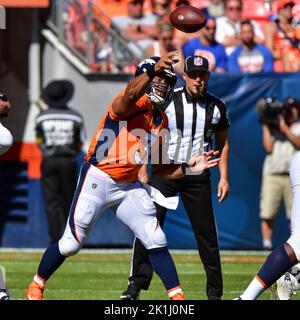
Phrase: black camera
pixel 270 109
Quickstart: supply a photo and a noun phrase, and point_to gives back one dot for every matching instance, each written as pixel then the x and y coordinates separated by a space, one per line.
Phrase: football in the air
pixel 188 19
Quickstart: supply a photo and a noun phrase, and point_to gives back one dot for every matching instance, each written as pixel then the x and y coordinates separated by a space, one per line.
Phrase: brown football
pixel 187 19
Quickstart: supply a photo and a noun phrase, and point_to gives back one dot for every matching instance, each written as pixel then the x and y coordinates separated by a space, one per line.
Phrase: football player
pixel 284 257
pixel 108 177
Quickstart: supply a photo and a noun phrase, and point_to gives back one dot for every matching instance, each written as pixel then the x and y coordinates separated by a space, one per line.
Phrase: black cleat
pixel 131 293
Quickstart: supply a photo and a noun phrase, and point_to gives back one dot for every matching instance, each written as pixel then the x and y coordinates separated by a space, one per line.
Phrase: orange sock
pixel 175 293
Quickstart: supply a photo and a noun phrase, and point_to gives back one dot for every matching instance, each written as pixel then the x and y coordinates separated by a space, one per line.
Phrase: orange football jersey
pixel 119 143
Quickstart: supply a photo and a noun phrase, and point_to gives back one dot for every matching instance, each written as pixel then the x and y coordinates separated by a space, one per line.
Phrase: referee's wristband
pixel 151 72
pixel 183 167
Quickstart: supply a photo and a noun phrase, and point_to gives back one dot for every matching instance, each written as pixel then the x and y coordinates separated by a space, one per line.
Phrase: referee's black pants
pixel 195 192
pixel 59 178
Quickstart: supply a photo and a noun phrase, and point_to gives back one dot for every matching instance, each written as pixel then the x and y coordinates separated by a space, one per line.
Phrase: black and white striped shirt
pixel 61 131
pixel 192 123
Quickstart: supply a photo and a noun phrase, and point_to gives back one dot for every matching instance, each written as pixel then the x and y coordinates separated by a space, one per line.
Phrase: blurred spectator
pixel 161 8
pixel 60 135
pixel 250 56
pixel 206 45
pixel 102 48
pixel 228 26
pixel 292 60
pixel 164 43
pixel 113 7
pixel 139 29
pixel 75 26
pixel 282 40
pixel 214 9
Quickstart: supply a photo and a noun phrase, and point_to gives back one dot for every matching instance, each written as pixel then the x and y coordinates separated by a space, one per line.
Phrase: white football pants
pixel 294 240
pixel 97 191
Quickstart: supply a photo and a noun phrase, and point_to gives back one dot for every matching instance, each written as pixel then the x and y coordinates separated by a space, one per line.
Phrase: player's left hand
pixel 223 190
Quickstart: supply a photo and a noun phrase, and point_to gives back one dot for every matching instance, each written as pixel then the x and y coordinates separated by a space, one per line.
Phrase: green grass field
pixel 102 275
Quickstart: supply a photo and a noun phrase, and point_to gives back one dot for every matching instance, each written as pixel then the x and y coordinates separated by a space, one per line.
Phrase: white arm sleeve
pixel 6 139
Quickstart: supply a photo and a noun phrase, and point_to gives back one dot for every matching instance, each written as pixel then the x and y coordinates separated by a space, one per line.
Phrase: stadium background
pixel 32 56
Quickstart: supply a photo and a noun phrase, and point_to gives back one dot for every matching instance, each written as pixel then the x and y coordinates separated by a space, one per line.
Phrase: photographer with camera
pixel 281 140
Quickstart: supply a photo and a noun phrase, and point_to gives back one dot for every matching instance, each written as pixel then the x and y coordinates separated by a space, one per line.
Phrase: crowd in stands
pixel 240 35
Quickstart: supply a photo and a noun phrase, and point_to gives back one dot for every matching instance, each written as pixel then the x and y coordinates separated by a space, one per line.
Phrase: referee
pixel 60 135
pixel 195 118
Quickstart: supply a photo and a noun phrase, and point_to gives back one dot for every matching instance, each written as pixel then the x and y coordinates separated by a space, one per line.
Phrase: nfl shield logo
pixel 198 61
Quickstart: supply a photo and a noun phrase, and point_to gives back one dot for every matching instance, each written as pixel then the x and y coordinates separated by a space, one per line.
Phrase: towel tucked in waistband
pixel 159 198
